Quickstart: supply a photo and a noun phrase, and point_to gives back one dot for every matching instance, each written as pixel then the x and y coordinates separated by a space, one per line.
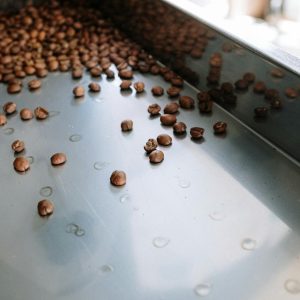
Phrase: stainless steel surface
pixel 219 217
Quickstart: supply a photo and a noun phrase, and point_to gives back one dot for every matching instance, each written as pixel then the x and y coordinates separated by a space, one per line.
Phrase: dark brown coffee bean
pixel 21 164
pixel 213 78
pixel 96 71
pixel 41 73
pixel 249 77
pixel 77 73
pixel 125 84
pixel 220 127
pixel 14 88
pixel 276 103
pixel 118 178
pixel 139 86
pixel 26 114
pixel 58 159
pixel 127 125
pixel 229 98
pixel 278 73
pixel 227 88
pixel 154 109
pixel 164 140
pixel 196 133
pixel 241 84
pixel 9 108
pixel 205 106
pixel 271 94
pixel 155 70
pixel 157 91
pixel 259 87
pixel 3 120
pixel 171 108
pixel 261 112
pixel 18 146
pixel 177 81
pixel 186 102
pixel 126 74
pixel 41 113
pixel 110 74
pixel 151 145
pixel 34 84
pixel 215 94
pixel 45 208
pixel 156 157
pixel 168 119
pixel 94 87
pixel 179 128
pixel 291 93
pixel 173 91
pixel 203 96
pixel 78 91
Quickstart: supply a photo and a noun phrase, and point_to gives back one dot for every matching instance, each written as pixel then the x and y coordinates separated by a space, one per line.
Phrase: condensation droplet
pixel 30 159
pixel 98 100
pixel 106 269
pixel 248 244
pixel 184 183
pixel 79 232
pixel 292 286
pixel 124 198
pixel 75 138
pixel 98 165
pixel 53 113
pixel 8 131
pixel 202 289
pixel 217 215
pixel 160 242
pixel 46 191
pixel 71 228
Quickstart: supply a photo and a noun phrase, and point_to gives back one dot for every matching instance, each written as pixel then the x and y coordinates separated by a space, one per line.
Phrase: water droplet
pixel 217 215
pixel 160 242
pixel 124 198
pixel 46 191
pixel 98 100
pixel 98 165
pixel 292 286
pixel 8 131
pixel 75 138
pixel 71 228
pixel 106 269
pixel 202 289
pixel 53 113
pixel 248 244
pixel 184 183
pixel 79 232
pixel 30 159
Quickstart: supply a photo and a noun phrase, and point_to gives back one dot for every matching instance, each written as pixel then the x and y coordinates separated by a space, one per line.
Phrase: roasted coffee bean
pixel 45 208
pixel 241 84
pixel 206 106
pixel 14 88
pixel 229 98
pixel 277 73
pixel 171 108
pixel 77 73
pixel 126 74
pixel 41 73
pixel 110 74
pixel 94 87
pixel 78 91
pixel 259 87
pixel 157 91
pixel 21 164
pixel 177 81
pixel 271 94
pixel 291 93
pixel 261 112
pixel 215 94
pixel 179 128
pixel 127 125
pixel 26 114
pixel 186 102
pixel 227 88
pixel 168 119
pixel 196 133
pixel 96 71
pixel 213 79
pixel 125 84
pixel 249 77
pixel 220 127
pixel 156 157
pixel 34 84
pixel 9 108
pixel 154 109
pixel 173 91
pixel 203 96
pixel 118 178
pixel 3 120
pixel 41 113
pixel 18 146
pixel 276 103
pixel 155 70
pixel 139 86
pixel 164 140
pixel 58 159
pixel 151 145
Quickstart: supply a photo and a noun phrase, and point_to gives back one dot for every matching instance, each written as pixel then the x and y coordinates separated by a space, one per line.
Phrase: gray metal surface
pixel 220 217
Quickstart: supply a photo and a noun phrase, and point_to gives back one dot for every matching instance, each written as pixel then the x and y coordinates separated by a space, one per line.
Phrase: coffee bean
pixel 259 87
pixel 173 91
pixel 156 157
pixel 205 106
pixel 41 113
pixel 179 128
pixel 271 94
pixel 127 125
pixel 151 145
pixel 229 98
pixel 34 84
pixel 45 208
pixel 215 94
pixel 241 84
pixel 171 108
pixel 26 114
pixel 77 73
pixel 186 102
pixel 18 146
pixel 41 73
pixel 203 96
pixel 227 88
pixel 110 74
pixel 278 73
pixel 94 87
pixel 168 119
pixel 291 93
pixel 14 88
pixel 154 109
pixel 227 47
pixel 58 159
pixel 21 164
pixel 155 70
pixel 261 112
pixel 96 71
pixel 220 127
pixel 157 91
pixel 196 133
pixel 249 77
pixel 139 87
pixel 213 79
pixel 125 84
pixel 78 91
pixel 126 74
pixel 164 140
pixel 3 120
pixel 9 108
pixel 177 81
pixel 276 103
pixel 118 178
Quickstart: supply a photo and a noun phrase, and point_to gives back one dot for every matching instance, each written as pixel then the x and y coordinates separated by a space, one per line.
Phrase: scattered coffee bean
pixel 291 93
pixel 173 91
pixel 125 84
pixel 41 113
pixel 126 74
pixel 278 73
pixel 21 164
pixel 18 146
pixel 34 84
pixel 26 114
pixel 151 145
pixel 220 127
pixel 94 87
pixel 110 74
pixel 154 109
pixel 58 159
pixel 177 81
pixel 45 208
pixel 118 178
pixel 186 102
pixel 139 86
pixel 156 157
pixel 203 96
pixel 261 112
pixel 77 73
pixel 3 120
pixel 157 91
pixel 241 84
pixel 164 140
pixel 9 108
pixel 41 73
pixel 271 94
pixel 179 128
pixel 196 133
pixel 14 88
pixel 205 106
pixel 276 103
pixel 171 108
pixel 249 77
pixel 127 125
pixel 227 88
pixel 96 71
pixel 259 87
pixel 78 91
pixel 168 119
